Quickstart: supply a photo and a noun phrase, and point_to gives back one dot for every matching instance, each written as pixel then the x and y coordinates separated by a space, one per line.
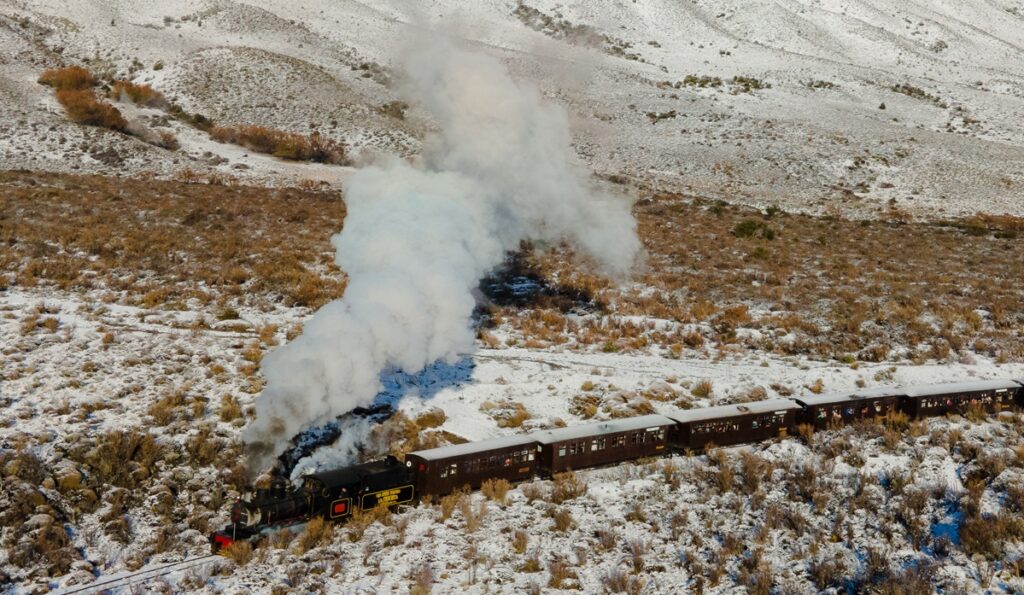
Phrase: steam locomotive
pixel 429 474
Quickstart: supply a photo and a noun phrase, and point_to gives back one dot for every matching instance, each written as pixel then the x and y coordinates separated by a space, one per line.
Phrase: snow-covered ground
pixel 57 373
pixel 857 104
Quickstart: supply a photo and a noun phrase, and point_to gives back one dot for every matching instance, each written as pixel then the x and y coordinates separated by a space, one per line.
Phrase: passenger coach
pixel 823 410
pixel 593 445
pixel 443 470
pixel 940 399
pixel 733 424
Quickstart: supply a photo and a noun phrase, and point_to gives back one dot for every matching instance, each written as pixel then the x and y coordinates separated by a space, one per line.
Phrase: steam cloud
pixel 417 240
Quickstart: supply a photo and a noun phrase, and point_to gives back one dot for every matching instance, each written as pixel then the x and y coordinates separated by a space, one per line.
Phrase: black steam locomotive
pixel 428 474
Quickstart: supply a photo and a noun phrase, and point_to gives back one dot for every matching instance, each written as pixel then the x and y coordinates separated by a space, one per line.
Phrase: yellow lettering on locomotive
pixel 388 497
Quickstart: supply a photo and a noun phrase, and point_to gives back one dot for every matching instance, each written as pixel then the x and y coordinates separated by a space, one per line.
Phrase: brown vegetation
pixel 138 94
pixel 84 107
pixel 846 290
pixel 70 78
pixel 115 233
pixel 283 145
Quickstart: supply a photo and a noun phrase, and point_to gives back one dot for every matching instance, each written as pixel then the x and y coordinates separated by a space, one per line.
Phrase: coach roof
pixel 727 411
pixel 615 426
pixel 479 447
pixel 839 398
pixel 975 386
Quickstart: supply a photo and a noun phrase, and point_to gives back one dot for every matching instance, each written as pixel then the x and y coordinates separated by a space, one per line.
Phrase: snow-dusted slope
pixel 817 136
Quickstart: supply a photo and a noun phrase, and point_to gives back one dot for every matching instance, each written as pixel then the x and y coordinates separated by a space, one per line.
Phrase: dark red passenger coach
pixel 441 471
pixel 732 424
pixel 592 445
pixel 939 399
pixel 821 411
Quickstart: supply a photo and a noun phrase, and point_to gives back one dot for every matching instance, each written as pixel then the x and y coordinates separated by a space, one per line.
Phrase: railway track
pixel 123 581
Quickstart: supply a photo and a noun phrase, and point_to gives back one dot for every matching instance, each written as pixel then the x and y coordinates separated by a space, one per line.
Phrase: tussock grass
pixel 279 238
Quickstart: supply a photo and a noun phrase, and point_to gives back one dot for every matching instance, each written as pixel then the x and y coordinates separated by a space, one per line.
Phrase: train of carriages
pixel 429 474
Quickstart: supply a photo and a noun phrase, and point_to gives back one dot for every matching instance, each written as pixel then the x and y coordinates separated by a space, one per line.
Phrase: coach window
pixel 561 451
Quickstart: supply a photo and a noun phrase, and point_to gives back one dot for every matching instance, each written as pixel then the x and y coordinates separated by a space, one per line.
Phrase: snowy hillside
pixel 303 209
pixel 650 85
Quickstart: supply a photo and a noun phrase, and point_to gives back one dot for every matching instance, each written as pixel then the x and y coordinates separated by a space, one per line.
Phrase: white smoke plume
pixel 417 240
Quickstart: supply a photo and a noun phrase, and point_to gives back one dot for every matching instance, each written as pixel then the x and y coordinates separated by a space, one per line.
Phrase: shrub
pixel 496 490
pixel 137 94
pixel 283 145
pixel 73 77
pixel 559 571
pixel 703 389
pixel 240 551
pixel 562 518
pixel 637 548
pixel 449 503
pixel 474 517
pixel 83 107
pixel 567 486
pixel 617 581
pixel 422 579
pixel 318 532
pixel 520 540
pixel 230 409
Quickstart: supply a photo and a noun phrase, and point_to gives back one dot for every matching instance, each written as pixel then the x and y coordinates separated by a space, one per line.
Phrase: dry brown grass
pixel 283 145
pixel 496 490
pixel 84 107
pixel 230 408
pixel 567 486
pixel 240 551
pixel 72 77
pixel 114 232
pixel 138 94
pixel 318 532
pixel 843 288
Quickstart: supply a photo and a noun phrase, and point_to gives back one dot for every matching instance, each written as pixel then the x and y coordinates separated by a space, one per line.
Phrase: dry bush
pixel 753 468
pixel 532 491
pixel 987 535
pixel 422 579
pixel 318 532
pixel 474 517
pixel 72 77
pixel 567 486
pixel 826 572
pixel 617 581
pixel 607 539
pixel 165 409
pixel 520 540
pixel 637 549
pixel 241 552
pixel 506 413
pixel 230 409
pixel 636 512
pixel 284 145
pixel 531 563
pixel 703 389
pixel 121 457
pixel 562 518
pixel 137 94
pixel 496 490
pixel 83 107
pixel 559 571
pixel 806 432
pixel 432 418
pixel 449 503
